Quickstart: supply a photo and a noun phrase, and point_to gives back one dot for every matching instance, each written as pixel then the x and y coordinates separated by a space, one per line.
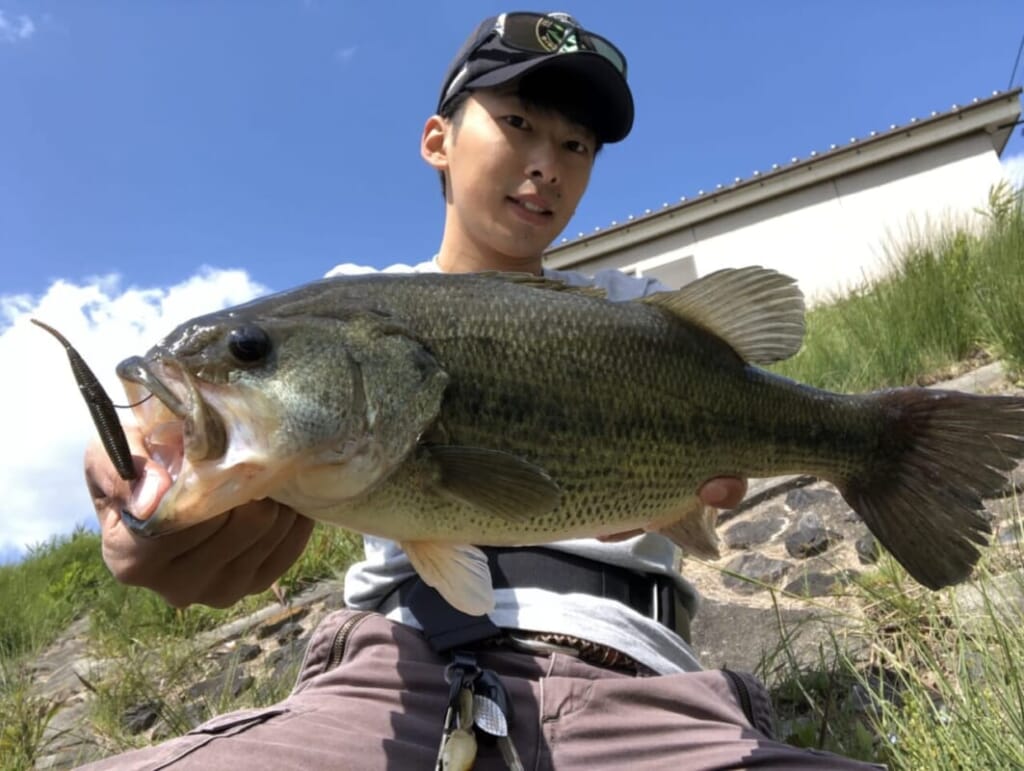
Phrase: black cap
pixel 485 61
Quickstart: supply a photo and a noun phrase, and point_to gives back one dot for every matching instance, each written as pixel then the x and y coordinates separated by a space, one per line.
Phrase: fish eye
pixel 248 343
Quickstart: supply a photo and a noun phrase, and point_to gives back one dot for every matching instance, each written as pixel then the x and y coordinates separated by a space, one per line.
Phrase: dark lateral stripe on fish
pixel 101 408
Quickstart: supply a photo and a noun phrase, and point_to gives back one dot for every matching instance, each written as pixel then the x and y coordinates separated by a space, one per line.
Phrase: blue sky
pixel 156 156
pixel 150 138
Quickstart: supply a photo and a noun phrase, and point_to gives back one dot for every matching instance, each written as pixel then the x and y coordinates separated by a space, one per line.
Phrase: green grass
pixel 56 582
pixel 24 717
pixel 151 646
pixel 936 683
pixel 950 301
pixel 950 297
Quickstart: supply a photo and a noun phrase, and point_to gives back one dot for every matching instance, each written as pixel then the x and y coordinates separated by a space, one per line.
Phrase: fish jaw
pixel 209 439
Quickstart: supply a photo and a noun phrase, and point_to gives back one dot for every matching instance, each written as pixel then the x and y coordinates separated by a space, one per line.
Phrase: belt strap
pixel 650 594
pixel 444 627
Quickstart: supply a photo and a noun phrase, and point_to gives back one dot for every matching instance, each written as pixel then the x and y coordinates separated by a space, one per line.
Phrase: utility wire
pixel 1014 73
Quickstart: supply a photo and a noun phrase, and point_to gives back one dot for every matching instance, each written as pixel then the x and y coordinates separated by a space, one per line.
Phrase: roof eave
pixel 995 115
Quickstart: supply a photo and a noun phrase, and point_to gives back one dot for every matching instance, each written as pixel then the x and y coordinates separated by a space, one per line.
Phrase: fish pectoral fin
pixel 495 482
pixel 693 530
pixel 459 572
pixel 759 312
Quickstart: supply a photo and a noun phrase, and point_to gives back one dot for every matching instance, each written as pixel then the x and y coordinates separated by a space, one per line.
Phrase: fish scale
pixel 452 410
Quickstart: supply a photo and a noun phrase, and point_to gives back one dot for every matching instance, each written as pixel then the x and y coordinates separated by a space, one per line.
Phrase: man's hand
pixel 215 563
pixel 718 492
pixel 723 492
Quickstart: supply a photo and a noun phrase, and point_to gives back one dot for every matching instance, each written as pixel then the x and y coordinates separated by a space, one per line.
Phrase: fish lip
pixel 137 370
pixel 143 527
pixel 202 432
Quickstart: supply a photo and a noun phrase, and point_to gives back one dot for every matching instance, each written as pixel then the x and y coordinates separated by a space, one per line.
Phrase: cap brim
pixel 613 101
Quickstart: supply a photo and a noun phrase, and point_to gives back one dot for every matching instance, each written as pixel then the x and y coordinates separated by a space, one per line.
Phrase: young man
pixel 587 637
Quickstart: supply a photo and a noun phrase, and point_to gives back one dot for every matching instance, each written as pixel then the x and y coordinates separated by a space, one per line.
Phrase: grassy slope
pixel 946 301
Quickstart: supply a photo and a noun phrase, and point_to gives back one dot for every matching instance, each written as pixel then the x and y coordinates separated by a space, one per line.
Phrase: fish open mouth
pixel 178 426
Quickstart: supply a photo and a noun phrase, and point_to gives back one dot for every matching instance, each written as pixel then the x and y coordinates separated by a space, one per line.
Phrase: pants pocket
pixel 753 699
pixel 235 722
pixel 230 724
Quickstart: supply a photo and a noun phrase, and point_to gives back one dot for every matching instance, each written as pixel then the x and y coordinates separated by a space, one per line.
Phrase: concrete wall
pixel 835 233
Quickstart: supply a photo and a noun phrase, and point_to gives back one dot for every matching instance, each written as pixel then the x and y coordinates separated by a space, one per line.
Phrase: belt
pixel 650 594
pixel 546 643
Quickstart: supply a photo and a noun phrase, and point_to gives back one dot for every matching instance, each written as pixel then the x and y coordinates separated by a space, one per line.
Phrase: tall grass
pixel 938 685
pixel 148 643
pixel 948 296
pixel 934 684
pixel 1001 282
pixel 57 581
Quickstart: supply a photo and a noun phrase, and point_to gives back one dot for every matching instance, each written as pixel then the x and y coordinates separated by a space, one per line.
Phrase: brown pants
pixel 381 704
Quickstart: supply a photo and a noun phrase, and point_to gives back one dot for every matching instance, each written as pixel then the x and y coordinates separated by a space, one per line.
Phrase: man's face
pixel 515 173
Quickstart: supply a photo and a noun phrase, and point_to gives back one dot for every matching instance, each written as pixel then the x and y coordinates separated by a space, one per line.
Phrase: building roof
pixel 995 115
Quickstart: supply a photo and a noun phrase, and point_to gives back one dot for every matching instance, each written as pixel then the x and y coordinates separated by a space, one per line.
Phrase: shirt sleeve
pixel 619 286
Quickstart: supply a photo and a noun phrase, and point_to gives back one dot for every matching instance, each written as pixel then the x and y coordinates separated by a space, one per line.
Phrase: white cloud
pixel 1013 169
pixel 16 30
pixel 345 55
pixel 46 423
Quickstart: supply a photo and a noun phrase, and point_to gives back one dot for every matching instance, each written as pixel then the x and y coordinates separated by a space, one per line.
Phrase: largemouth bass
pixel 443 411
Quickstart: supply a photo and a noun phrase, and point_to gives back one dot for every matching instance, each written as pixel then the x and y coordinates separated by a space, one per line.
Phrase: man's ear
pixel 432 144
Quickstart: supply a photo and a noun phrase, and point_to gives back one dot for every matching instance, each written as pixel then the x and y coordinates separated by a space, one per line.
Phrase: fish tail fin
pixel 942 453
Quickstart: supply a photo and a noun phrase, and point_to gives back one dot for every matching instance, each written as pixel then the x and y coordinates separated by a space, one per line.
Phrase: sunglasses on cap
pixel 541 34
pixel 554 33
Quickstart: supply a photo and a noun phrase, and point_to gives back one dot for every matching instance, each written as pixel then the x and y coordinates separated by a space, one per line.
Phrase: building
pixel 826 219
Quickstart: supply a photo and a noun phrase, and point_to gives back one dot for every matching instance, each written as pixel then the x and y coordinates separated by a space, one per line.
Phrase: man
pixel 587 638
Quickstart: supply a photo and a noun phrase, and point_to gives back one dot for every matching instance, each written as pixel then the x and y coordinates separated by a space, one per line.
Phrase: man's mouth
pixel 530 206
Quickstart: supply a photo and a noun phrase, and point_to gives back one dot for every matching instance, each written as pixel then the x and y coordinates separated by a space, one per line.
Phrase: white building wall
pixel 834 234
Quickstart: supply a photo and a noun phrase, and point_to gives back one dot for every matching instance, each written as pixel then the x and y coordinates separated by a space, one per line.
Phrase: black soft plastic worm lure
pixel 100 407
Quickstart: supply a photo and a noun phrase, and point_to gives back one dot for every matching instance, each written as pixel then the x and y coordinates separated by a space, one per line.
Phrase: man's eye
pixel 517 121
pixel 577 147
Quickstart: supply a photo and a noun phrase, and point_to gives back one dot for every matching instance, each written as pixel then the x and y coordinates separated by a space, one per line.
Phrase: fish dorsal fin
pixel 459 572
pixel 496 482
pixel 759 312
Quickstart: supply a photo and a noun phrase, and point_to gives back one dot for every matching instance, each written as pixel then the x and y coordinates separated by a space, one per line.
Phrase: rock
pixel 803 498
pixel 726 634
pixel 883 684
pixel 810 537
pixel 812 584
pixel 274 624
pixel 1001 595
pixel 757 567
pixel 867 549
pixel 140 717
pixel 754 532
pixel 235 683
pixel 284 663
pixel 247 652
pixel 237 652
pixel 289 632
pixel 823 501
pixel 188 718
pixel 64 738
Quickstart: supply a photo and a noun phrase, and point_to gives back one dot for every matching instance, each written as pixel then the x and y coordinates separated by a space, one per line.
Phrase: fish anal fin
pixel 459 572
pixel 757 311
pixel 496 482
pixel 692 528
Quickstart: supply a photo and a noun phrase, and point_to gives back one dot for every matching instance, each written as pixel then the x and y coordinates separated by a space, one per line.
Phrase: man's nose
pixel 543 166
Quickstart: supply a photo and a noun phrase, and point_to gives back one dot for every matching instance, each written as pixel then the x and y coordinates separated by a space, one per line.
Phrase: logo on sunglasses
pixel 556 36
